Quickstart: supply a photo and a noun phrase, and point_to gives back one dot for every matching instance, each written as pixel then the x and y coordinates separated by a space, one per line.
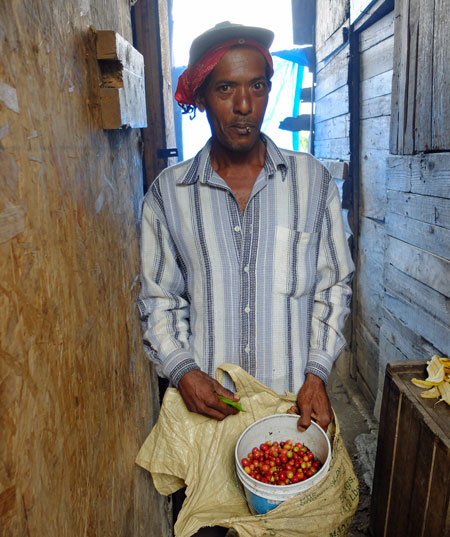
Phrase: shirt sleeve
pixel 333 292
pixel 162 303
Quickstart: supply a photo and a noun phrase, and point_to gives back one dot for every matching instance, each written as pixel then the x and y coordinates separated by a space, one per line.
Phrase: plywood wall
pixel 77 395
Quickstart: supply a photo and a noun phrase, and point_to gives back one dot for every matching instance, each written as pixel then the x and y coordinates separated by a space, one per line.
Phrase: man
pixel 244 256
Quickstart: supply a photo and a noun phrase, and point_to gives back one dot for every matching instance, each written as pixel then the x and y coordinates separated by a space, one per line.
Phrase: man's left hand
pixel 313 402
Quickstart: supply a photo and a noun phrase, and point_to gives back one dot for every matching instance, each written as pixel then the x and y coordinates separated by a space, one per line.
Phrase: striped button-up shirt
pixel 266 289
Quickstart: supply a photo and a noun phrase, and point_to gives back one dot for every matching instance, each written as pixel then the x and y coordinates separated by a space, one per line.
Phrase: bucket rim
pixel 315 478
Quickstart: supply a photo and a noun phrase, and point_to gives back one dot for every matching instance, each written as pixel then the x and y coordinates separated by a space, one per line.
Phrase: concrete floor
pixel 359 431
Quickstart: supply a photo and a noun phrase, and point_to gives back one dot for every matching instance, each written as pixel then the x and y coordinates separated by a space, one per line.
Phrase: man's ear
pixel 200 102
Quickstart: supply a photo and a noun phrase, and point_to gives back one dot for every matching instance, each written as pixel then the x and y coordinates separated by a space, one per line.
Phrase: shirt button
pixel 246 269
pixel 237 229
pixel 247 309
pixel 247 349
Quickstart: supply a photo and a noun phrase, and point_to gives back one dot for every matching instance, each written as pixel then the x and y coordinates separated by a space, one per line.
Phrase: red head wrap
pixel 193 77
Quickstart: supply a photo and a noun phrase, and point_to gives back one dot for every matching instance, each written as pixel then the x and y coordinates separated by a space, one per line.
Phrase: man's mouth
pixel 243 128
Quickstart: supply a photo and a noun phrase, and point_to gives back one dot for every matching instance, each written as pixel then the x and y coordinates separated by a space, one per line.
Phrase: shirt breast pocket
pixel 295 261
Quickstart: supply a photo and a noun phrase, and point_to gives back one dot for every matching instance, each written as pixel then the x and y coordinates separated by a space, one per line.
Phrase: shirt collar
pixel 201 169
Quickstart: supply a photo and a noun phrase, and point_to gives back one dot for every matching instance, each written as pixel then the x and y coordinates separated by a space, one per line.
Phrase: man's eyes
pixel 260 85
pixel 228 88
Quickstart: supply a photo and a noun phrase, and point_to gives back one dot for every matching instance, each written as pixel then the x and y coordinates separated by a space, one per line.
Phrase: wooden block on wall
pixel 122 88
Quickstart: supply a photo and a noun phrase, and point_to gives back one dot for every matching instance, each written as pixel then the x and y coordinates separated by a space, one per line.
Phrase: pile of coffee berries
pixel 281 463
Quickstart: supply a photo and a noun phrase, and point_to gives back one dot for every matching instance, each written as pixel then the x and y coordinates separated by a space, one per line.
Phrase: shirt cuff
pixel 177 364
pixel 319 364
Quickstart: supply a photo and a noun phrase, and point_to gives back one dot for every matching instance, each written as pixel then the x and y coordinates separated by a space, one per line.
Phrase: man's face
pixel 235 99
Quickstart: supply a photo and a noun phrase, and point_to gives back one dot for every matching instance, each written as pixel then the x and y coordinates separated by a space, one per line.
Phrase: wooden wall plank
pixel 377 59
pixel 418 321
pixel 399 79
pixel 336 40
pixel 412 73
pixel 441 76
pixel 338 127
pixel 388 353
pixel 336 148
pixel 424 94
pixel 151 26
pixel 369 289
pixel 374 133
pixel 333 75
pixel 426 236
pixel 366 358
pixel 375 106
pixel 426 298
pixel 428 174
pixel 408 343
pixel 380 30
pixel 378 85
pixel 372 189
pixel 432 270
pixel 332 105
pixel 332 14
pixel 427 209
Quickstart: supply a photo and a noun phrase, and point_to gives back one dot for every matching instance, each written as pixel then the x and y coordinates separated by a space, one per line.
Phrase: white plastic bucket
pixel 262 497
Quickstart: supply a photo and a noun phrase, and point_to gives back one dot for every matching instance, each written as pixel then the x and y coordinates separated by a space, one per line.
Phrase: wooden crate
pixel 411 488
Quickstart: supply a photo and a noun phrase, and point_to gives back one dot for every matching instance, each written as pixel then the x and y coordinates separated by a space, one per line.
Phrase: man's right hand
pixel 199 392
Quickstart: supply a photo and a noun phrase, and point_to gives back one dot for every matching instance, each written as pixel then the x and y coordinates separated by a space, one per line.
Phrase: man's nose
pixel 242 101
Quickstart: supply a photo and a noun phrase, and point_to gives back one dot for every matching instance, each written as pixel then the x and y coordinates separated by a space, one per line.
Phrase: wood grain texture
pixel 377 32
pixel 152 27
pixel 372 190
pixel 414 291
pixel 122 98
pixel 424 174
pixel 332 105
pixel 407 342
pixel 375 133
pixel 411 492
pixel 332 15
pixel 376 96
pixel 366 358
pixel 332 45
pixel 336 148
pixel 420 104
pixel 333 75
pixel 431 329
pixel 77 394
pixel 399 78
pixel 432 270
pixel 377 59
pixel 441 77
pixel 424 94
pixel 386 450
pixel 338 127
pixel 428 237
pixel 429 209
pixel 369 268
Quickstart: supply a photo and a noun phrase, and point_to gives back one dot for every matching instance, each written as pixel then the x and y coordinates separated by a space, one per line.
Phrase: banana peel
pixel 438 380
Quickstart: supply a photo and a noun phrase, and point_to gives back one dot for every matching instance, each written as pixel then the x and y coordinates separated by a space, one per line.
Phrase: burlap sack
pixel 186 449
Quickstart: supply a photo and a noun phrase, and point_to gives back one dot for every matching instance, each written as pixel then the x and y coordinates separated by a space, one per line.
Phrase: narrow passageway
pixel 359 430
pixel 77 391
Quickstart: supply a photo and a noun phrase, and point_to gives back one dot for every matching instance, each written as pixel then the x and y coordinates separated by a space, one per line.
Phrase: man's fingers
pixel 220 390
pixel 305 418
